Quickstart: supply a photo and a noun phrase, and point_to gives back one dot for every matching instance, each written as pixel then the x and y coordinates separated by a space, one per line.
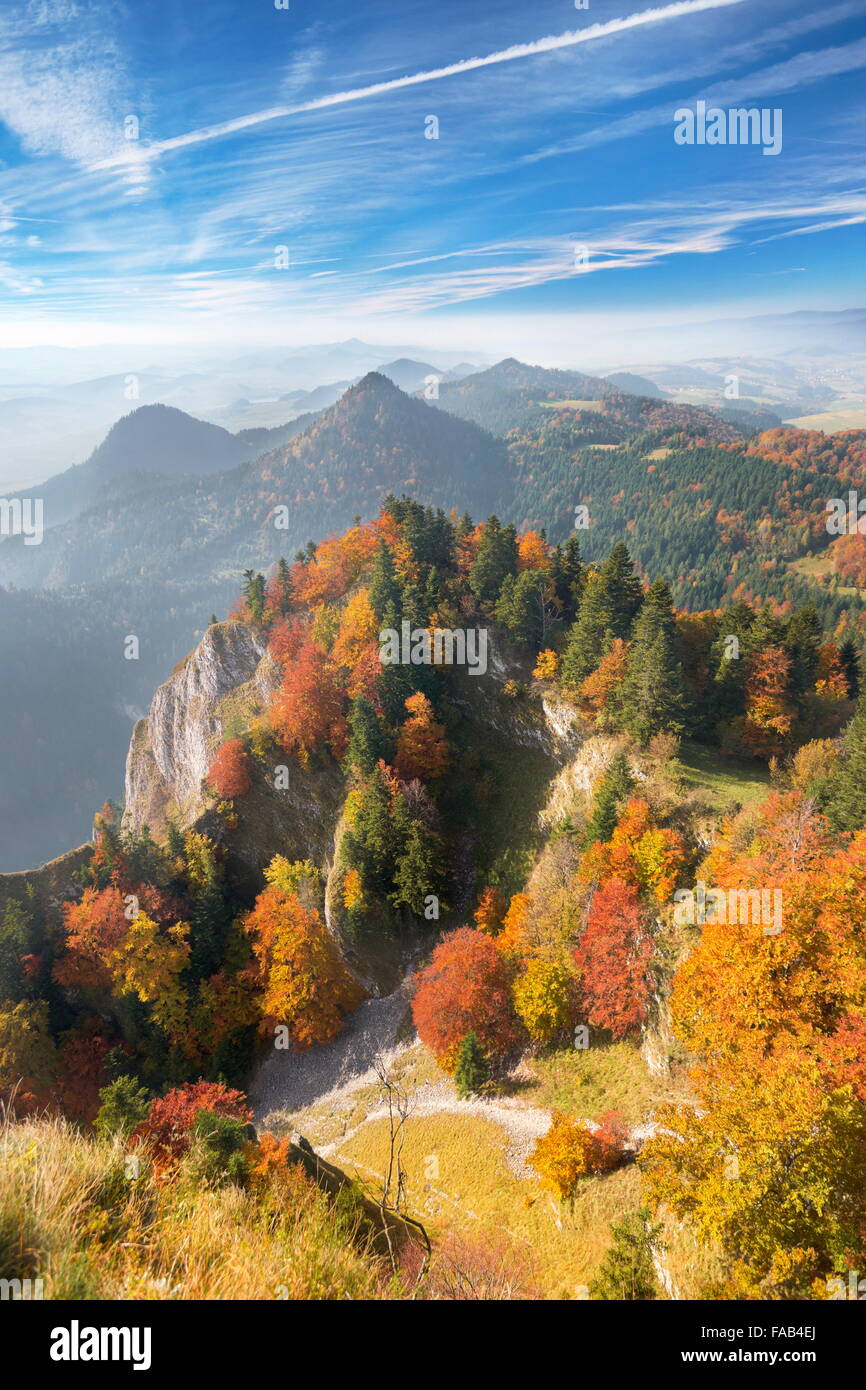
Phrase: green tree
pixel 473 1069
pixel 416 868
pixel 368 741
pixel 651 697
pixel 847 808
pixel 613 791
pixel 610 600
pixel 385 596
pixel 627 1273
pixel 123 1106
pixel 495 559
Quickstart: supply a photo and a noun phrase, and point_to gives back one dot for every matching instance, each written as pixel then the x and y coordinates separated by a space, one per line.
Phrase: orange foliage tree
pixel 307 710
pixel 422 749
pixel 645 855
pixel 305 983
pixel 172 1116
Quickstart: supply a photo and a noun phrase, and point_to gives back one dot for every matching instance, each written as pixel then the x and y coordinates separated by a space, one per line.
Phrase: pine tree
pixel 384 591
pixel 568 577
pixel 416 868
pixel 473 1070
pixel 254 594
pixel 623 588
pixel 591 635
pixel 614 789
pixel 847 808
pixel 368 741
pixel 627 1273
pixel 369 844
pixel 123 1106
pixel 610 600
pixel 651 697
pixel 496 558
pixel 850 659
pixel 803 636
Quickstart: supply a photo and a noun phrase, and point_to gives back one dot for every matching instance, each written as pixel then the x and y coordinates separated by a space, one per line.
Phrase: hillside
pixel 699 494
pixel 451 896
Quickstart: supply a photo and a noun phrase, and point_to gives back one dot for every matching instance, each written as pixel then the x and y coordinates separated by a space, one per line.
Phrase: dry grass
pixel 588 1082
pixel 459 1181
pixel 69 1215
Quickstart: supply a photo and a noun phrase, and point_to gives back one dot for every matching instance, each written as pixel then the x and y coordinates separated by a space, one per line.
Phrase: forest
pixel 138 1013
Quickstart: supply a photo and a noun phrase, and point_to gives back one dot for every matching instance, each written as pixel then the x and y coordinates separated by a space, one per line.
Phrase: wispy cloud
pixel 550 44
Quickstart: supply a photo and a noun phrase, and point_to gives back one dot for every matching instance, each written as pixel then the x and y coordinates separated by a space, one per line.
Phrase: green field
pixel 727 781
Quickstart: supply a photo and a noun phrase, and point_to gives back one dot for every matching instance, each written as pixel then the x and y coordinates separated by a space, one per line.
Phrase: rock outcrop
pixel 228 674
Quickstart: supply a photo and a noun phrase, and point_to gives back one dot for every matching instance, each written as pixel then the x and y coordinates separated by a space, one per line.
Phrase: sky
pixel 232 171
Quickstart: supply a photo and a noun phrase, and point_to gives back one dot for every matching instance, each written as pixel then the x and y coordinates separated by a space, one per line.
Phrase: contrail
pixel 505 55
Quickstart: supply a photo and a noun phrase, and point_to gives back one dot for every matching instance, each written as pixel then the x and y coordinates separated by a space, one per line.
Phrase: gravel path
pixel 522 1123
pixel 291 1081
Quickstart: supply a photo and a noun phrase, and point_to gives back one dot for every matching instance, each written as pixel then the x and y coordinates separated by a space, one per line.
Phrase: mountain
pixel 158 440
pixel 509 393
pixel 407 374
pixel 636 385
pixel 693 491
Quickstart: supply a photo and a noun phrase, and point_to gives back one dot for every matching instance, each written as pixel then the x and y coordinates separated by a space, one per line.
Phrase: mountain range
pixel 152 534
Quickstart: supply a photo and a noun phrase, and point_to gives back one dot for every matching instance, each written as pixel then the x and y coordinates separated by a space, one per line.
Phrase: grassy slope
pixel 69 1215
pixel 727 782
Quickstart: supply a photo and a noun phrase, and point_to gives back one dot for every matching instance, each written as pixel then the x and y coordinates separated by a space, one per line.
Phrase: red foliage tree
pixel 81 1075
pixel 171 1117
pixel 613 958
pixel 230 772
pixel 466 988
pixel 307 711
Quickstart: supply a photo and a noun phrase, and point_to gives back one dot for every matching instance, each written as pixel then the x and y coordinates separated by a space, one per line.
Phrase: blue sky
pixel 257 129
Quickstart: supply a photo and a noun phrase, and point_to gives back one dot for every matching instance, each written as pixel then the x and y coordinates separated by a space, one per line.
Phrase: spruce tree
pixel 623 588
pixel 568 577
pixel 850 658
pixel 651 697
pixel 384 593
pixel 368 741
pixel 473 1070
pixel 614 789
pixel 591 635
pixel 496 558
pixel 847 807
pixel 416 865
pixel 627 1273
pixel 802 639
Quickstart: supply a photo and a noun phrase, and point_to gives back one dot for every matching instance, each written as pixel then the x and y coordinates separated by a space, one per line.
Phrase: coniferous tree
pixel 614 789
pixel 473 1069
pixel 591 635
pixel 623 588
pixel 368 741
pixel 496 558
pixel 850 659
pixel 416 869
pixel 254 593
pixel 610 600
pixel 384 592
pixel 651 697
pixel 568 577
pixel 627 1273
pixel 847 807
pixel 802 639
